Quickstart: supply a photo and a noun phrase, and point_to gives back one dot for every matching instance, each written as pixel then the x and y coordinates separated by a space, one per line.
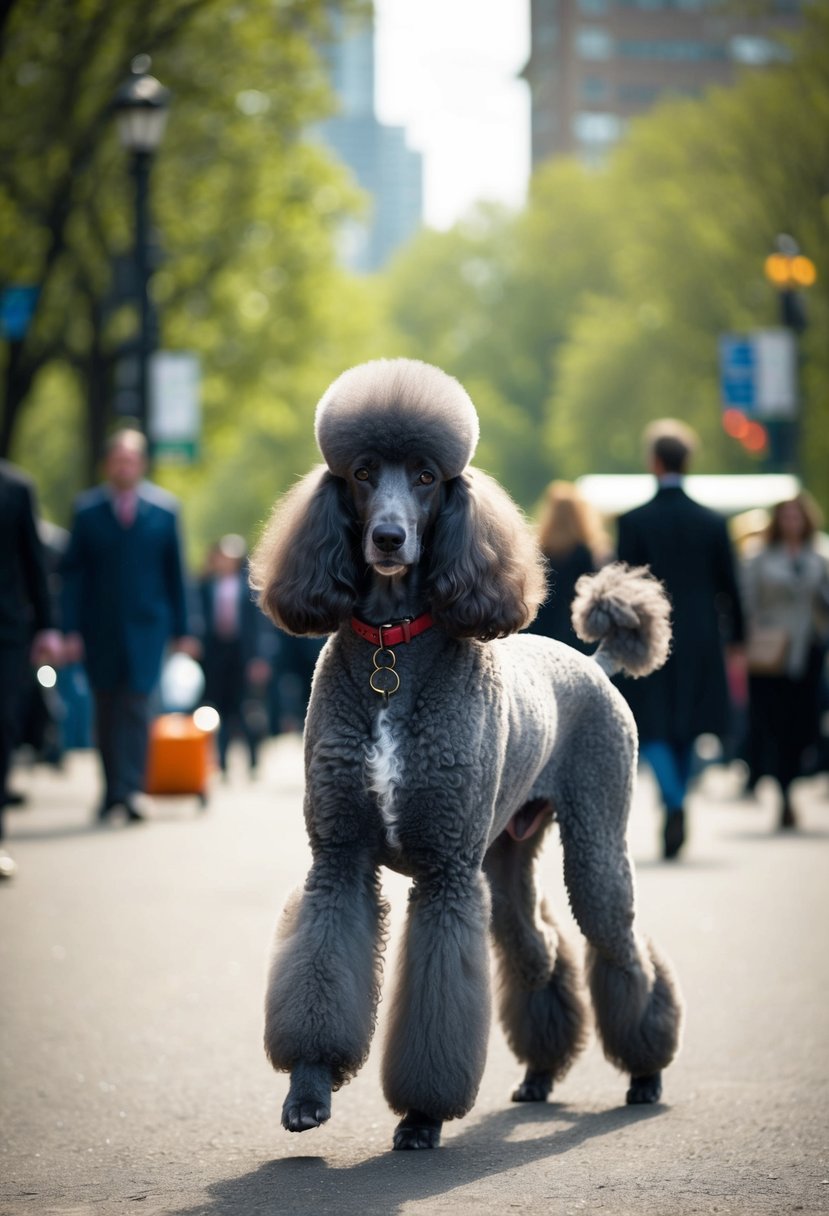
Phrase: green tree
pixel 247 207
pixel 493 300
pixel 701 190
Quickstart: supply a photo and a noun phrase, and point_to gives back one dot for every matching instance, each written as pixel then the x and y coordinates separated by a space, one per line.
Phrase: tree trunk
pixel 18 377
pixel 97 375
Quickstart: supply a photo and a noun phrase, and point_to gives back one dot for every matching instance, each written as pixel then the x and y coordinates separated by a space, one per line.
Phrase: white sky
pixel 447 71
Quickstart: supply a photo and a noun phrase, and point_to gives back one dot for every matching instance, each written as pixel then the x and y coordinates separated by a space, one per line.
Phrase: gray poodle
pixel 441 747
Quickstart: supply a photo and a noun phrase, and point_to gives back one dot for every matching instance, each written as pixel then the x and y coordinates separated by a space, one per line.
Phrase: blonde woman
pixel 573 540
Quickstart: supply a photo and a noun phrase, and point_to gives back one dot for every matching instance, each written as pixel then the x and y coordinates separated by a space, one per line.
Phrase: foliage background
pixel 572 323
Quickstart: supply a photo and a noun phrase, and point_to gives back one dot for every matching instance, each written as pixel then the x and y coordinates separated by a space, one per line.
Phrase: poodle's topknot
pixel 396 408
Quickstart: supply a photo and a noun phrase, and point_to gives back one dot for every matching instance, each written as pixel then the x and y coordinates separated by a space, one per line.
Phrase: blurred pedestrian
pixel 290 692
pixel 26 635
pixel 786 591
pixel 573 539
pixel 123 601
pixel 686 546
pixel 237 644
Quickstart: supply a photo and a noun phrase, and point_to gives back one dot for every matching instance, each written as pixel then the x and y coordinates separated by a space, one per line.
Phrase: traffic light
pixel 751 434
pixel 789 271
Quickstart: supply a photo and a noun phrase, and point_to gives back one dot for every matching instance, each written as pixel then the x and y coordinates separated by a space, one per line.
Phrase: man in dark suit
pixel 687 547
pixel 25 619
pixel 237 648
pixel 123 602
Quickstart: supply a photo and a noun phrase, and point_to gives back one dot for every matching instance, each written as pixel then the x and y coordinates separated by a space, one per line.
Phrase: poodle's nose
pixel 388 537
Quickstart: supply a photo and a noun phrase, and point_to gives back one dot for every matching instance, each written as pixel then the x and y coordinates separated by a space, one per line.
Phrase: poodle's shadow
pixel 390 1180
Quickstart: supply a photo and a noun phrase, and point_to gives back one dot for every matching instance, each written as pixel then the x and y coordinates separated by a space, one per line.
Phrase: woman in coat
pixel 574 543
pixel 786 594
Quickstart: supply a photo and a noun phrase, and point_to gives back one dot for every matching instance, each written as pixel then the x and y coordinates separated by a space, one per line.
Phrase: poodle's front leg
pixel 439 1022
pixel 324 982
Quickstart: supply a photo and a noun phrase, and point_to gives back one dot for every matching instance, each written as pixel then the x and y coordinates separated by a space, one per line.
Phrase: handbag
pixel 767 650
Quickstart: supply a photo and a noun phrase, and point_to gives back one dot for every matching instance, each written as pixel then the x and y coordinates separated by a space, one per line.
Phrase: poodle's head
pixel 396 410
pixel 396 493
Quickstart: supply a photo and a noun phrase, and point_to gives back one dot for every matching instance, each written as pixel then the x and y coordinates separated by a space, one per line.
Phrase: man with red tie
pixel 124 601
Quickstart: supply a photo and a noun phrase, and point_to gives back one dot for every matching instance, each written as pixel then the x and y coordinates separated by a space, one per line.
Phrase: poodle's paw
pixel 417 1130
pixel 308 1103
pixel 536 1087
pixel 300 1116
pixel 644 1090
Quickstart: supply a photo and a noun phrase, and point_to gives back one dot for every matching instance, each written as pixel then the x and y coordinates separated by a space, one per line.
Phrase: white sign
pixel 758 373
pixel 775 352
pixel 175 404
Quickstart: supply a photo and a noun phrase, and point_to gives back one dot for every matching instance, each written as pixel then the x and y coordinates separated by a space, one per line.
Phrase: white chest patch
pixel 384 775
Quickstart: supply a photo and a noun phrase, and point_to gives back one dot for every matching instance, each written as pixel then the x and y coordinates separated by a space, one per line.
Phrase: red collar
pixel 392 635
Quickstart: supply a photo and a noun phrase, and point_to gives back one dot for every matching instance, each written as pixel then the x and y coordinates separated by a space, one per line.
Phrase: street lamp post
pixel 790 272
pixel 140 106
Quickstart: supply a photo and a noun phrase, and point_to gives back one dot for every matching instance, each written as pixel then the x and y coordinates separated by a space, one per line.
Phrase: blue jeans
pixel 671 764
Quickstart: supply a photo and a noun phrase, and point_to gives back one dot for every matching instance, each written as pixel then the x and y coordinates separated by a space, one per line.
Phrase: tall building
pixel 596 64
pixel 383 165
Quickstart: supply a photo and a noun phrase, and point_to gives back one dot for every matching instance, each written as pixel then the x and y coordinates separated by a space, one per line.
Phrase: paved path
pixel 132 1076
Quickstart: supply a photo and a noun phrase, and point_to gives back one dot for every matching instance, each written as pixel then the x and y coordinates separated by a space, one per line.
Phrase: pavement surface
pixel 132 1076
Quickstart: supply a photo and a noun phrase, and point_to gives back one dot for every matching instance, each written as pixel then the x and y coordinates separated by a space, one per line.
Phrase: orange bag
pixel 180 758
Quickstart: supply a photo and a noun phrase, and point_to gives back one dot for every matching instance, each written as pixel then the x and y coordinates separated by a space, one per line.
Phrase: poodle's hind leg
pixel 541 1002
pixel 438 1026
pixel 324 983
pixel 635 997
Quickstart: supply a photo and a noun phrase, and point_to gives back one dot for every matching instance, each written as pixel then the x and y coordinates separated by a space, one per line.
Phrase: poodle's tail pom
pixel 628 612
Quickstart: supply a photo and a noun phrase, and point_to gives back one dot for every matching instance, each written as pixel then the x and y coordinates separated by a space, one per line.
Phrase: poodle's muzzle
pixel 395 504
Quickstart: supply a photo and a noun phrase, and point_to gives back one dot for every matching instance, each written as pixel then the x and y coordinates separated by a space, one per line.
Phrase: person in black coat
pixel 237 645
pixel 686 546
pixel 573 541
pixel 123 601
pixel 25 618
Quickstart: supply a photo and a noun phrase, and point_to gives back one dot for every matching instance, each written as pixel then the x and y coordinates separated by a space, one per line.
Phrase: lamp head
pixel 140 106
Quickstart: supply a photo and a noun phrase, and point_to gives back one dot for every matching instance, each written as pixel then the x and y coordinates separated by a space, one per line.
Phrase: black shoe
pixel 674 834
pixel 788 819
pixel 105 810
pixel 12 798
pixel 136 807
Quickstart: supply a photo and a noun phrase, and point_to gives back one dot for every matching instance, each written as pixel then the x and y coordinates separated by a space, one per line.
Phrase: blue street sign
pixel 737 372
pixel 17 306
pixel 758 373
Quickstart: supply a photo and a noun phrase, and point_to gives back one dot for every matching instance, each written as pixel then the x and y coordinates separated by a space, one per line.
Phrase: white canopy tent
pixel 730 493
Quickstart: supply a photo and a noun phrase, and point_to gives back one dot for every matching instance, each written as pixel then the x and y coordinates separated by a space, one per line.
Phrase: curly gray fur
pixel 628 611
pixel 491 735
pixel 400 405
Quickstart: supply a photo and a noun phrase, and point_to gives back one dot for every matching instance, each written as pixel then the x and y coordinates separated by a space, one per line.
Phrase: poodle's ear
pixel 303 566
pixel 486 570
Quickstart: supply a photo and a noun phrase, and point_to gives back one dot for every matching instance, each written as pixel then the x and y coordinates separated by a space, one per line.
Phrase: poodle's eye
pixel 426 478
pixel 361 474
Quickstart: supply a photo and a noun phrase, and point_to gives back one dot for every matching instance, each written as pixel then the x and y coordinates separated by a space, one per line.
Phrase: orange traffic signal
pixel 803 271
pixel 786 271
pixel 755 438
pixel 752 435
pixel 735 423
